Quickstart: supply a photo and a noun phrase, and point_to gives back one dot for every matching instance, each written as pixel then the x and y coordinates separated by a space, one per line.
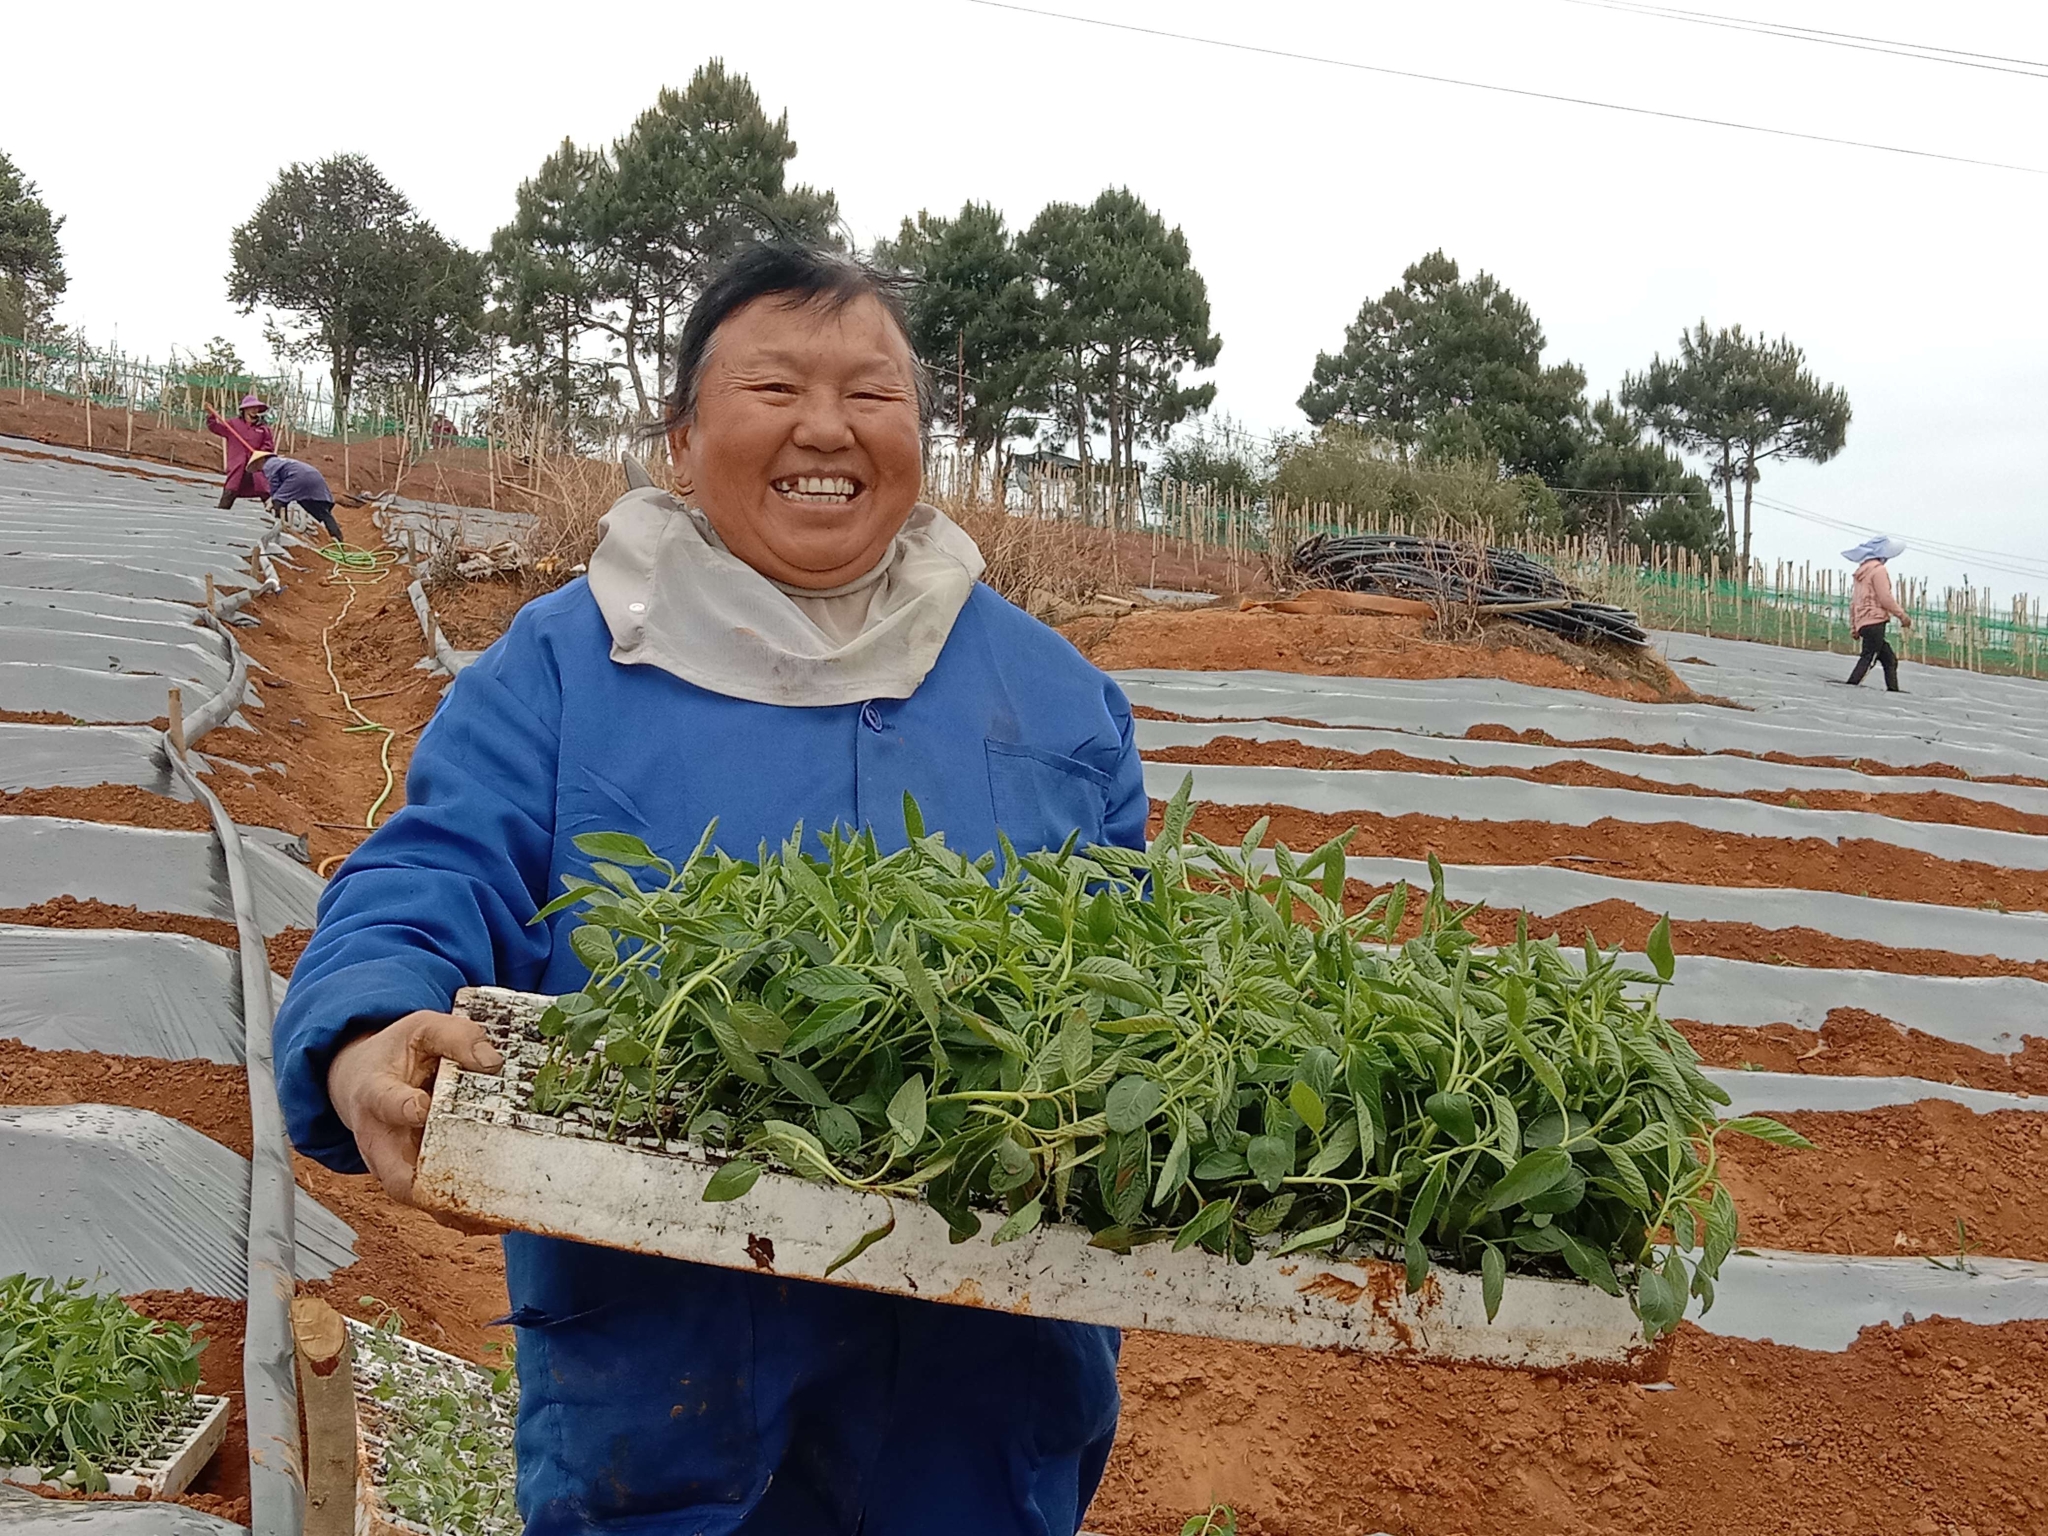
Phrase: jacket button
pixel 871 717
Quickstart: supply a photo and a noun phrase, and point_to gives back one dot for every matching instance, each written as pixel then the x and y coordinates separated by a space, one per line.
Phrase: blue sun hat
pixel 1877 547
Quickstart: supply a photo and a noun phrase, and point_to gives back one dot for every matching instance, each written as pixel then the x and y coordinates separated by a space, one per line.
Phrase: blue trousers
pixel 677 1398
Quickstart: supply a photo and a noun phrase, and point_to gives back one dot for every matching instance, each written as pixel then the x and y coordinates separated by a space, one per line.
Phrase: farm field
pixel 1856 884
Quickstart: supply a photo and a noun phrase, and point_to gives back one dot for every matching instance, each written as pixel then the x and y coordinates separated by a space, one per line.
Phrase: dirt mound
pixel 1356 645
pixel 1853 1043
pixel 123 805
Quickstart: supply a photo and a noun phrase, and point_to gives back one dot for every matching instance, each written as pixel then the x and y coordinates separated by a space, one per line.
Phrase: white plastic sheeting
pixel 24 1514
pixel 124 993
pixel 1987 1013
pixel 1339 791
pixel 1722 775
pixel 1452 706
pixel 1771 1093
pixel 1547 890
pixel 70 756
pixel 1818 1301
pixel 133 1201
pixel 42 857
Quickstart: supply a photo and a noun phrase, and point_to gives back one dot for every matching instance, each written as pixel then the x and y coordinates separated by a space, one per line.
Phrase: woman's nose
pixel 823 422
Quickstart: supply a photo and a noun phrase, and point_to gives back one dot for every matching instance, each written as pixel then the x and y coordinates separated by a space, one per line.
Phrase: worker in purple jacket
pixel 294 483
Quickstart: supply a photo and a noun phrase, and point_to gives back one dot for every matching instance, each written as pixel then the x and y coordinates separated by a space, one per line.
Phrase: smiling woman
pixel 791 645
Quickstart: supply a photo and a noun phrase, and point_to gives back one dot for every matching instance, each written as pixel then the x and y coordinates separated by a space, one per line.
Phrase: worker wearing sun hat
pixel 248 434
pixel 1871 603
pixel 294 483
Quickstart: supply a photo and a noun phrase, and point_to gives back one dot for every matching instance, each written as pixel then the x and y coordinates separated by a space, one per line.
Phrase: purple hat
pixel 256 401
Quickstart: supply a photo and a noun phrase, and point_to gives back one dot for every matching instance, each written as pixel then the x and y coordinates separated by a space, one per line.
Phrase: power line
pixel 1963 554
pixel 1511 90
pixel 1926 53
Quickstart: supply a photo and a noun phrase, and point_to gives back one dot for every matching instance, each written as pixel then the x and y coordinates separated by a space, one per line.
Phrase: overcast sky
pixel 1303 188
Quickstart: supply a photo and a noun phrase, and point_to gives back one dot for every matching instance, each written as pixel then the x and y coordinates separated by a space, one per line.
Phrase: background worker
pixel 295 483
pixel 1870 604
pixel 248 434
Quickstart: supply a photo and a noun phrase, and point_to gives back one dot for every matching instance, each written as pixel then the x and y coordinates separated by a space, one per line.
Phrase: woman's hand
pixel 378 1085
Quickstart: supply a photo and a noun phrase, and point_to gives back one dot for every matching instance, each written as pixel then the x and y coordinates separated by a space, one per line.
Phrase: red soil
pixel 1650 851
pixel 1354 645
pixel 1619 923
pixel 1930 806
pixel 123 805
pixel 1897 1180
pixel 1921 1431
pixel 1853 1043
pixel 283 948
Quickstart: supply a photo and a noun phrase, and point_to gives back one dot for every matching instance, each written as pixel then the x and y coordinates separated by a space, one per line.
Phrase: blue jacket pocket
pixel 1042 798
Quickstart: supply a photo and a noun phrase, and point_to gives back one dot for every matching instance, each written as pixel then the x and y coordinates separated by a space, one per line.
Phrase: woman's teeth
pixel 822 489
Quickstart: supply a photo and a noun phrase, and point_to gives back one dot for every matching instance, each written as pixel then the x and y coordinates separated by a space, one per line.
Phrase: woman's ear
pixel 679 458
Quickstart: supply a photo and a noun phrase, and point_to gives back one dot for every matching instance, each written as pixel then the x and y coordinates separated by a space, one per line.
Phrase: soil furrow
pixel 1924 806
pixel 1649 851
pixel 1855 1043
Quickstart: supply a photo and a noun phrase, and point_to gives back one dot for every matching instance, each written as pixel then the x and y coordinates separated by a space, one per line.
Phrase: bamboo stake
pixel 327 1392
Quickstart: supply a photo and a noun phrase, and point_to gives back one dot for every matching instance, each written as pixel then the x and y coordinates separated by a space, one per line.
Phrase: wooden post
pixel 327 1391
pixel 176 712
pixel 210 608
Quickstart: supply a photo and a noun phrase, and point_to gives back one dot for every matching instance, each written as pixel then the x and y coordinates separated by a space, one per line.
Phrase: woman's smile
pixel 817 490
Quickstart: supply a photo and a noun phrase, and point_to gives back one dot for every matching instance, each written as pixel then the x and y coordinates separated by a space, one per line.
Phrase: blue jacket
pixel 294 480
pixel 677 1397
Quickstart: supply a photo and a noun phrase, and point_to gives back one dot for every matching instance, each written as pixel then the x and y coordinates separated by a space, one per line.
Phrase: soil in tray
pixel 1853 1043
pixel 1896 1181
pixel 1931 806
pixel 1931 1430
pixel 1361 645
pixel 1667 850
pixel 447 1286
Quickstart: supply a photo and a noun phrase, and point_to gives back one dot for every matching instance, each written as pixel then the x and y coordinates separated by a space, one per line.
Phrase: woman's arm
pixel 1123 823
pixel 1881 589
pixel 436 900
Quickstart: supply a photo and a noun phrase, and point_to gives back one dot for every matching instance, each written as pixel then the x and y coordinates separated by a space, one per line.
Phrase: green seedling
pixel 1219 1520
pixel 1960 1264
pixel 1170 1044
pixel 446 1462
pixel 87 1384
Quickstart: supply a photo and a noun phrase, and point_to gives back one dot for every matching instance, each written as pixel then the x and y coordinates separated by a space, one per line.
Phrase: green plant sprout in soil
pixel 88 1385
pixel 445 1462
pixel 1171 1045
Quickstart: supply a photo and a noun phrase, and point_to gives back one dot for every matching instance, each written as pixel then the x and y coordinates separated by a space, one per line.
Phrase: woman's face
pixel 805 451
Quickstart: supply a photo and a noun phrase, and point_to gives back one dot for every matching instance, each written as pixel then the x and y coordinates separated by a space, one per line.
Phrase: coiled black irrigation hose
pixel 1499 583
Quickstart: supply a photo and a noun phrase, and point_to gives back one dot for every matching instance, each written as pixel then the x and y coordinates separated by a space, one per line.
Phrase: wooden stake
pixel 209 593
pixel 176 712
pixel 327 1392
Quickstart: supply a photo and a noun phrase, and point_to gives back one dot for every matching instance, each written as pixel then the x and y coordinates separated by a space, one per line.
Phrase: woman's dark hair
pixel 800 275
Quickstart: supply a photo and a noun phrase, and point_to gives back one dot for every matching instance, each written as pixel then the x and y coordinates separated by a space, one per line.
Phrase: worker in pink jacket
pixel 1871 604
pixel 248 433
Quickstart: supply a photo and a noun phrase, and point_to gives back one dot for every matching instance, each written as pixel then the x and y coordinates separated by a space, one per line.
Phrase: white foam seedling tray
pixel 418 1364
pixel 167 1471
pixel 485 1158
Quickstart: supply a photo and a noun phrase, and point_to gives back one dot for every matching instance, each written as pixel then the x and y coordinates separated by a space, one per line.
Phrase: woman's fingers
pixel 459 1039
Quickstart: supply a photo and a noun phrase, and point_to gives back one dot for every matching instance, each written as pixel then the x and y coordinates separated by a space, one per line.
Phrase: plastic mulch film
pixel 122 993
pixel 42 857
pixel 197 659
pixel 129 1201
pixel 79 574
pixel 77 757
pixel 35 450
pixel 89 604
pixel 179 627
pixel 99 698
pixel 25 1514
